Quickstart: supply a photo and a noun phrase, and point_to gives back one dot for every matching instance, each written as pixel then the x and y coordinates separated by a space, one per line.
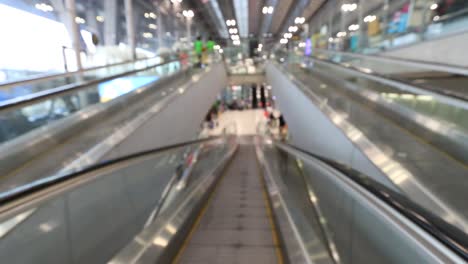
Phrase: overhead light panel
pixel 293 29
pixel 349 7
pixel 370 18
pixel 299 20
pixel 353 27
pixel 188 13
pixel 284 41
pixel 44 7
pixel 231 22
pixel 268 10
pixel 80 20
pixel 341 34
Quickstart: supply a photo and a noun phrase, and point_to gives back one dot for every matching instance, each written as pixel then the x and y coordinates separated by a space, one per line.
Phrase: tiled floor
pixel 235 227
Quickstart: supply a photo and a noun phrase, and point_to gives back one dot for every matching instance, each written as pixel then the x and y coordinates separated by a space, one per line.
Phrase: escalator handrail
pixel 445 96
pixel 45 77
pixel 407 62
pixel 449 235
pixel 54 92
pixel 45 183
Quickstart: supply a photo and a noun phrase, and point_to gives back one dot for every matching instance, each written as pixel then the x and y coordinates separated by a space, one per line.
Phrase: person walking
pixel 198 46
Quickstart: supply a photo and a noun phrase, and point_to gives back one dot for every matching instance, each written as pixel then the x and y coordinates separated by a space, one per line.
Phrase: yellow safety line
pixel 274 233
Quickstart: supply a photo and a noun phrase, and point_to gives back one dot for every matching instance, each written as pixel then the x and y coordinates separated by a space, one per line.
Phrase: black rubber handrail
pixel 54 92
pixel 451 236
pixel 29 189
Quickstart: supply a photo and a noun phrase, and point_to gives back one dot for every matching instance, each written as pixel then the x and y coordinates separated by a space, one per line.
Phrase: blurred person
pixel 210 48
pixel 198 46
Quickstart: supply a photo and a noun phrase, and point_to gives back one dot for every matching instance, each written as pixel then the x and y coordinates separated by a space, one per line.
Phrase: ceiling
pixel 249 17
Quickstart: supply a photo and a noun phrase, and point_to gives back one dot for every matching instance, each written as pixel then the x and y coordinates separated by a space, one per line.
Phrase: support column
pixel 110 24
pixel 75 34
pixel 160 30
pixel 130 23
pixel 361 23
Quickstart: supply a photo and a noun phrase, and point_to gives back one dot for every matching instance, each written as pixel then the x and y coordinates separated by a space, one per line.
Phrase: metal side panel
pixel 312 129
pixel 161 240
pixel 300 232
pixel 33 144
pixel 360 227
pixel 180 120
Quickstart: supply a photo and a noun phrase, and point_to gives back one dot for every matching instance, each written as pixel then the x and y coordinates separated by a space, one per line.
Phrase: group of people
pixel 203 50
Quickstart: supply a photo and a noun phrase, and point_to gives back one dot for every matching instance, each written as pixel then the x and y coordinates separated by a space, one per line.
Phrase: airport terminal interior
pixel 233 131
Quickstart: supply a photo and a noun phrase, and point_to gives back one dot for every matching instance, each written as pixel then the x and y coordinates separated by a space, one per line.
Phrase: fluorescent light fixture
pixel 349 7
pixel 188 13
pixel 353 27
pixel 341 34
pixel 44 7
pixel 80 20
pixel 299 20
pixel 370 18
pixel 231 22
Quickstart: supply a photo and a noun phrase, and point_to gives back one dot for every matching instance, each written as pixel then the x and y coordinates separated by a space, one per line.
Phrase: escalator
pixel 61 130
pixel 416 142
pixel 236 225
pixel 448 80
pixel 221 200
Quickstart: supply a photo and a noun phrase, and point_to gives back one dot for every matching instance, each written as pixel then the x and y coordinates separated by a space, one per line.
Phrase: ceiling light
pixel 293 29
pixel 341 34
pixel 299 20
pixel 233 31
pixel 236 42
pixel 284 41
pixel 147 35
pixel 152 26
pixel 434 6
pixel 80 20
pixel 348 7
pixel 44 7
pixel 188 13
pixel 353 27
pixel 370 18
pixel 235 37
pixel 100 18
pixel 217 47
pixel 268 10
pixel 231 22
pixel 287 35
